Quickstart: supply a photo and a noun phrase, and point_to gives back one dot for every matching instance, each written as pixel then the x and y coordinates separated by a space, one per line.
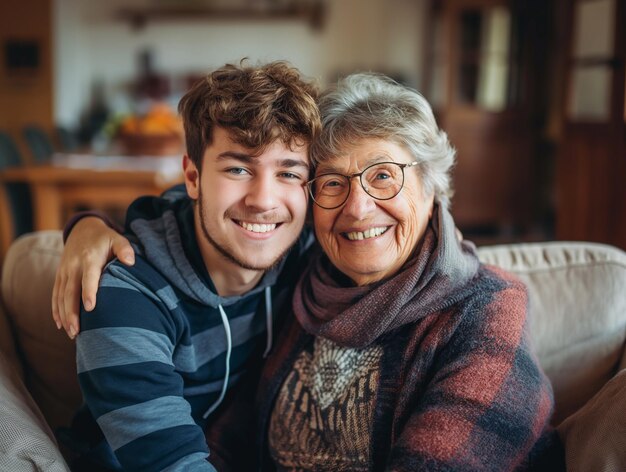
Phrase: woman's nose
pixel 359 202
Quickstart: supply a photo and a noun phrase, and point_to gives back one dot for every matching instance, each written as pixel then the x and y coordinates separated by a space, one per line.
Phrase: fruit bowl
pixel 157 133
pixel 137 144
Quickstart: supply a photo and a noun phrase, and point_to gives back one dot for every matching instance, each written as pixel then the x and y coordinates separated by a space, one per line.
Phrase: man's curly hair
pixel 257 105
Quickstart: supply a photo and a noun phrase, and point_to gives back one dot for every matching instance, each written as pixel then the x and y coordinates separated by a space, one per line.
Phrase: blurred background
pixel 530 92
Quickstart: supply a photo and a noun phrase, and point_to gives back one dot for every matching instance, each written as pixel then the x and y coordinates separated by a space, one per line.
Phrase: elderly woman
pixel 404 352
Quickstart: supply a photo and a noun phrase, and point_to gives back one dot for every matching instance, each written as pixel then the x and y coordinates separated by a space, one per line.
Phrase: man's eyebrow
pixel 238 156
pixel 293 163
pixel 250 159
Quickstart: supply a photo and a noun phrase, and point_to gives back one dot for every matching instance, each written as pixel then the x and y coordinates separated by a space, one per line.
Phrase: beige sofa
pixel 578 325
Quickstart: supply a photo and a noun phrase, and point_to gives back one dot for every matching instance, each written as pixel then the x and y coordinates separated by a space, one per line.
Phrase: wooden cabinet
pixel 26 73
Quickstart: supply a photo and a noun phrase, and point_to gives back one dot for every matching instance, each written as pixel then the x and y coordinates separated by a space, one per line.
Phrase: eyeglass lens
pixel 382 181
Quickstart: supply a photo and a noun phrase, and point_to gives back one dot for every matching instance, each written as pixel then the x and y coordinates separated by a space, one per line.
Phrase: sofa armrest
pixel 26 442
pixel 594 436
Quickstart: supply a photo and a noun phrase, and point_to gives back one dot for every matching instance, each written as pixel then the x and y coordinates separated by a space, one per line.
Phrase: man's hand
pixel 89 246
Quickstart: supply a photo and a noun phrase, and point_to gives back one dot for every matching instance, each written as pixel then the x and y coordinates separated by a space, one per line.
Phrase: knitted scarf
pixel 327 304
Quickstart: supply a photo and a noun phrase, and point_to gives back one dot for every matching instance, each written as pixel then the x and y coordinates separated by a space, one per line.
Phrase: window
pixel 592 60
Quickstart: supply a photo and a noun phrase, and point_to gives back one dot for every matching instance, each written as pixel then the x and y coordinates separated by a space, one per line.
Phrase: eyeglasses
pixel 381 181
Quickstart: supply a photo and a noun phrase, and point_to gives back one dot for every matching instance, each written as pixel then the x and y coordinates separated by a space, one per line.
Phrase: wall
pixel 90 45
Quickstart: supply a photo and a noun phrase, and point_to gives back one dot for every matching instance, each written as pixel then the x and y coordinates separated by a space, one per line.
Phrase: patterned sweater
pixel 152 356
pixel 431 370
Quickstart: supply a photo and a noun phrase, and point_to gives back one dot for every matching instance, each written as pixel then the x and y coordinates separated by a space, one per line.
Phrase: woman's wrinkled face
pixel 367 239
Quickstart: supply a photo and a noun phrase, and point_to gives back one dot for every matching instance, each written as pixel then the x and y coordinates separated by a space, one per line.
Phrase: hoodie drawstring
pixel 229 345
pixel 269 322
pixel 229 350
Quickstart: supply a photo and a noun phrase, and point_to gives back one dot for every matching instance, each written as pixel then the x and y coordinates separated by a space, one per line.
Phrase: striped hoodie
pixel 160 349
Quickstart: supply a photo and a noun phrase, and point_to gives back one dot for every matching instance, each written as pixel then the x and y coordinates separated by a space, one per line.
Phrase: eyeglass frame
pixel 360 176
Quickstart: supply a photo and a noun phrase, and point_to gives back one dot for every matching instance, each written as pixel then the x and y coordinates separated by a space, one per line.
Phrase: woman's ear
pixel 192 177
pixel 432 205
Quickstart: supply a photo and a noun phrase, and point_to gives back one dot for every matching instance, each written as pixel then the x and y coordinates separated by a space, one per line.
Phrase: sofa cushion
pixel 577 312
pixel 595 436
pixel 26 442
pixel 48 354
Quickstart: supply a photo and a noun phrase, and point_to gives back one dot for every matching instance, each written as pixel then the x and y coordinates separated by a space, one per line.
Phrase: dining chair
pixel 15 199
pixel 67 139
pixel 39 143
pixel 9 155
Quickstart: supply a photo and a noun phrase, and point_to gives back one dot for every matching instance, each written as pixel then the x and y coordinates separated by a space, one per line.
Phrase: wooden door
pixel 591 166
pixel 483 87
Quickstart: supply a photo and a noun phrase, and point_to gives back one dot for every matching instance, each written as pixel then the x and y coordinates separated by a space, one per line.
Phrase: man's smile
pixel 257 227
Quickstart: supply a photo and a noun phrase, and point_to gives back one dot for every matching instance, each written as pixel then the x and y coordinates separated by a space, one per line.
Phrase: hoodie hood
pixel 438 275
pixel 162 232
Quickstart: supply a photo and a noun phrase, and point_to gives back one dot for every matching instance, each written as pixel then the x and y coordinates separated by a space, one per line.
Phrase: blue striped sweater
pixel 151 357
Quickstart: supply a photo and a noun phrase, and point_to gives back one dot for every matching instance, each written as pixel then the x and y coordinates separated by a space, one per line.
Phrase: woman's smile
pixel 366 234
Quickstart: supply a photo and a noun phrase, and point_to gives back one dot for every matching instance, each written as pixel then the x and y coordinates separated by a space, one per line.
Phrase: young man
pixel 172 333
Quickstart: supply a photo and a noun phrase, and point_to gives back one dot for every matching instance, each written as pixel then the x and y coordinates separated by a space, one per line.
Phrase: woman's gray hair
pixel 368 105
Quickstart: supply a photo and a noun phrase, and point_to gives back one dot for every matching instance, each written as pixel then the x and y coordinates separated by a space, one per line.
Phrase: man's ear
pixel 192 177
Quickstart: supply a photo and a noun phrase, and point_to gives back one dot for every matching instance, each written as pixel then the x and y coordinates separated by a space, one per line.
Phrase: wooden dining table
pixel 89 181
